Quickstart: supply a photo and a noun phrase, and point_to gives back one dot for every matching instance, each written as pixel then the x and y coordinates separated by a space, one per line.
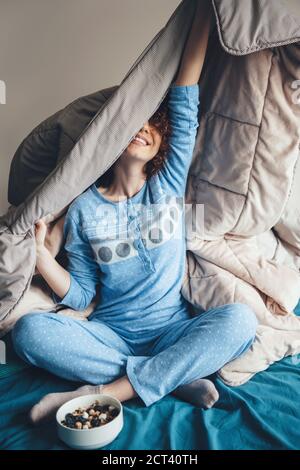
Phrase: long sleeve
pixel 83 269
pixel 183 103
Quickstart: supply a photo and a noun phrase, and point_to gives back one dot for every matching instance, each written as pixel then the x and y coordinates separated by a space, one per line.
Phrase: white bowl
pixel 93 438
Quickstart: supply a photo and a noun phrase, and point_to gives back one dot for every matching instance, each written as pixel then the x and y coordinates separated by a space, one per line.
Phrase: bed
pixel 262 414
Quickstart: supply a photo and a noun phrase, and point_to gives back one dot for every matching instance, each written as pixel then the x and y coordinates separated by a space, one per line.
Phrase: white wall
pixel 52 51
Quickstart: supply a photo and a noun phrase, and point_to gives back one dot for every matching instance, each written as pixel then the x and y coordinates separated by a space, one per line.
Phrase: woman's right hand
pixel 40 234
pixel 57 278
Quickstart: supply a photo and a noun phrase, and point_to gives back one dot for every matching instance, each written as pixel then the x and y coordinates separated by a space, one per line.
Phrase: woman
pixel 125 235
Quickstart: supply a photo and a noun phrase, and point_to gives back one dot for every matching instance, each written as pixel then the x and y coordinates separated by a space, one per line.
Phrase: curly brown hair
pixel 160 120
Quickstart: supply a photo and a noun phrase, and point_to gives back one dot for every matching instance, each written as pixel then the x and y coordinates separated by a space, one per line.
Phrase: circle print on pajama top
pixel 139 245
pixel 125 231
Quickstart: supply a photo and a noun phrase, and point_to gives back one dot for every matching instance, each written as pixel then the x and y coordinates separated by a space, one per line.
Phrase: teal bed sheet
pixel 262 414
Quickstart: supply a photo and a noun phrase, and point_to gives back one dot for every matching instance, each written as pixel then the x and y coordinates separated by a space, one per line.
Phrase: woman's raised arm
pixel 195 49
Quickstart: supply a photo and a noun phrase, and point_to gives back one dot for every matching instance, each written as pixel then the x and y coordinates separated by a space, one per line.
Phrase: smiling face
pixel 147 150
pixel 145 145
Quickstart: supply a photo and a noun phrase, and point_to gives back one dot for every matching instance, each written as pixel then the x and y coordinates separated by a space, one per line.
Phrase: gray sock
pixel 201 393
pixel 47 407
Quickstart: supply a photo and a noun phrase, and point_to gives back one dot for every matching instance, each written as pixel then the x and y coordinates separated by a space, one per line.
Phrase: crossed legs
pixel 93 353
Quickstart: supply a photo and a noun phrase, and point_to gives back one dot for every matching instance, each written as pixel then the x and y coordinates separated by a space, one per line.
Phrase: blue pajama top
pixel 133 251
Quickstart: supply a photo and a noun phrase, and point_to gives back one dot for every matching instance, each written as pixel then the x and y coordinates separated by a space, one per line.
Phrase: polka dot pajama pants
pixel 95 352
